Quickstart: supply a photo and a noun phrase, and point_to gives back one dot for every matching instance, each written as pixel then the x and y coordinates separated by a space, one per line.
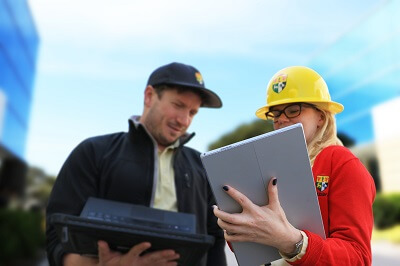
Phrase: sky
pixel 95 57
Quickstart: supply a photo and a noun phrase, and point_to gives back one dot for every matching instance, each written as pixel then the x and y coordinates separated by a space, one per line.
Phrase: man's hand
pixel 108 257
pixel 112 258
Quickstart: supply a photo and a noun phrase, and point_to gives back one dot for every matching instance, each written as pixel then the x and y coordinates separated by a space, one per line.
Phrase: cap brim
pixel 211 99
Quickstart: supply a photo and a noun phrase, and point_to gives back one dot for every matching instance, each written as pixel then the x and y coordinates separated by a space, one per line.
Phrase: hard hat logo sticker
pixel 279 83
pixel 199 78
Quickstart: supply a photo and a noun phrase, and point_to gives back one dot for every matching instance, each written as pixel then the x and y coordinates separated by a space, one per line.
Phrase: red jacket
pixel 346 192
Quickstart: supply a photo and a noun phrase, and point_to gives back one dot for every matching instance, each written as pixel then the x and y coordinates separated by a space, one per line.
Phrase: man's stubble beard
pixel 152 125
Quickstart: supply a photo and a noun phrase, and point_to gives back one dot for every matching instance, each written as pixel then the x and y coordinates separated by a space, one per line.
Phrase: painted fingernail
pixel 274 181
pixel 267 264
pixel 226 188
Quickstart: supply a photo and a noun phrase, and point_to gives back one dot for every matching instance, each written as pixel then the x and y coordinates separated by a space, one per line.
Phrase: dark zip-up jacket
pixel 121 167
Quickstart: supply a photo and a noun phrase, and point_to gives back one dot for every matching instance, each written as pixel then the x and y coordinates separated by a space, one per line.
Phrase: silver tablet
pixel 249 165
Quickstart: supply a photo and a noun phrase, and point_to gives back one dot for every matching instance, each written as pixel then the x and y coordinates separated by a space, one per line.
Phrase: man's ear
pixel 148 95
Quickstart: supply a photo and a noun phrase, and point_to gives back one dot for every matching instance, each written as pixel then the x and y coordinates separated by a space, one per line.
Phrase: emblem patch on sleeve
pixel 322 185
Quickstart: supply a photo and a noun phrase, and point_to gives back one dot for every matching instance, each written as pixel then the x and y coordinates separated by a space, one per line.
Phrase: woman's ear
pixel 321 119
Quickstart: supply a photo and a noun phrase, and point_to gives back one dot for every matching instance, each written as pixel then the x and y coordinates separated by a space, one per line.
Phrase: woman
pixel 344 187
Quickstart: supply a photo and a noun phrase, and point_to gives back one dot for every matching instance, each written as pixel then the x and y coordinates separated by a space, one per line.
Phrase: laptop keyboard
pixel 100 216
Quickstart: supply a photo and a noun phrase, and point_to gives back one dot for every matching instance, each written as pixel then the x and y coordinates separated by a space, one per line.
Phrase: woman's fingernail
pixel 274 181
pixel 226 188
pixel 267 264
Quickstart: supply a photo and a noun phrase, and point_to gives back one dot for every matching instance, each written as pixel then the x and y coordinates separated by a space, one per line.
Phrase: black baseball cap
pixel 184 76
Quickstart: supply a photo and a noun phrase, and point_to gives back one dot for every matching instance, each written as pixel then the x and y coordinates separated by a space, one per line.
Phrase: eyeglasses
pixel 290 111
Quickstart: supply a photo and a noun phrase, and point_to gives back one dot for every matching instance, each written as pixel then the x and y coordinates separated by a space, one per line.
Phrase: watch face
pixel 298 246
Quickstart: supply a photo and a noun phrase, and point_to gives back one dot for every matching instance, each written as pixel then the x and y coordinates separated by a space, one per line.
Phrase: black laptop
pixel 123 225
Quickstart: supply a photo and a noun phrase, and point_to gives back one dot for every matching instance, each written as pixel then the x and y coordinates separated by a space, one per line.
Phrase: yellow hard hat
pixel 298 84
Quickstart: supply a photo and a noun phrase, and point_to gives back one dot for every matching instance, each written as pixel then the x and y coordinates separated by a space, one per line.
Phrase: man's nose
pixel 184 119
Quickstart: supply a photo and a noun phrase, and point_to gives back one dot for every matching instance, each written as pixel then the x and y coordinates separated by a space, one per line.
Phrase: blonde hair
pixel 325 136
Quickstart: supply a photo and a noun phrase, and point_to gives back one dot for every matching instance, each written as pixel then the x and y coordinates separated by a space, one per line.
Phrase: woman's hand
pixel 265 225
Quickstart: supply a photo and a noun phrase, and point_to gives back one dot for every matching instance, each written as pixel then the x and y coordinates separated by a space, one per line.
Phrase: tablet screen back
pixel 249 165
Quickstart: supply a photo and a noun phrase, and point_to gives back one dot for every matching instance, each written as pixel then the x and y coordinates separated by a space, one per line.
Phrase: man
pixel 149 165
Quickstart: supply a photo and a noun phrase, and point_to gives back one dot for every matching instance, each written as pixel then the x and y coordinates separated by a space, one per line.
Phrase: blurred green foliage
pixel 258 127
pixel 391 234
pixel 22 221
pixel 243 132
pixel 21 234
pixel 386 210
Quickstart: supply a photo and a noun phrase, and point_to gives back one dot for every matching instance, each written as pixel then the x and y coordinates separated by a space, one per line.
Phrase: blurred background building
pixel 18 54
